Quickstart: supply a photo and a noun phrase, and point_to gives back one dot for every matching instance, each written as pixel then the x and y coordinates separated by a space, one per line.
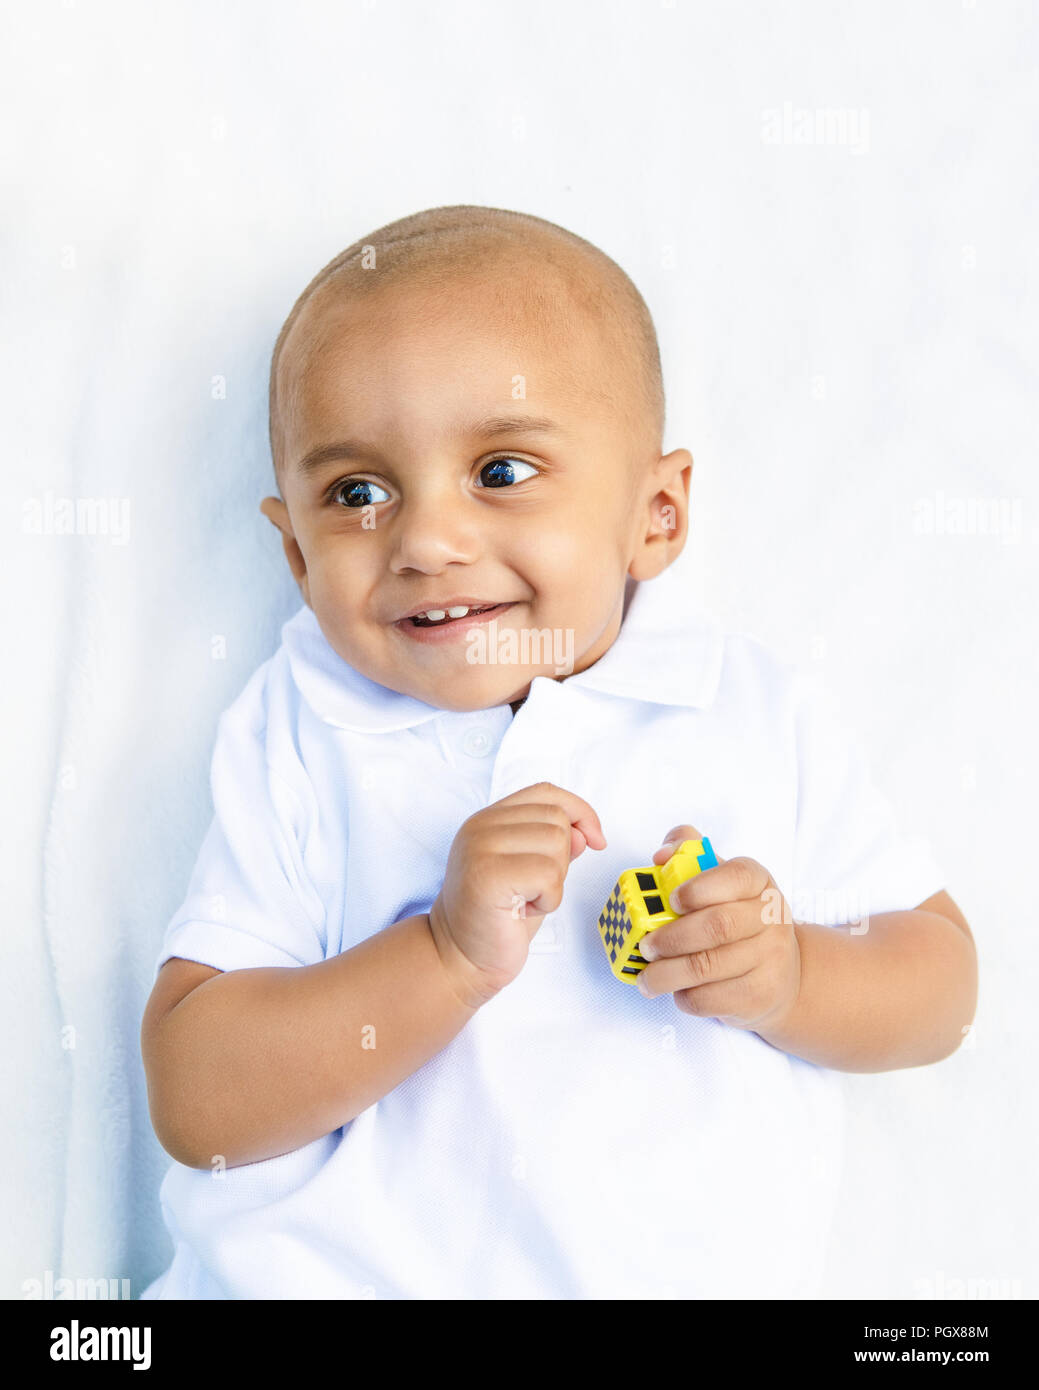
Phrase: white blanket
pixel 829 210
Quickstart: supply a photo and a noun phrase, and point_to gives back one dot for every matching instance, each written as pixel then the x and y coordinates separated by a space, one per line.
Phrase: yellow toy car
pixel 640 903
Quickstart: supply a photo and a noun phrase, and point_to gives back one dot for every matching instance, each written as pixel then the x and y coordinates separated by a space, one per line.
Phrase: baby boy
pixel 384 1045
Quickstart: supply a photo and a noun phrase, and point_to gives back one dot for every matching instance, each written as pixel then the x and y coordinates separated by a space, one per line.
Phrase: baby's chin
pixel 468 691
pixel 443 677
pixel 461 691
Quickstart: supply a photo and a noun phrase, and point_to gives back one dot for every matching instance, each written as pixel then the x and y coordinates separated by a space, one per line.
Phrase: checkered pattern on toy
pixel 614 923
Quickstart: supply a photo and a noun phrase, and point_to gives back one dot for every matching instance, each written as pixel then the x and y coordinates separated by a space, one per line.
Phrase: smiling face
pixel 417 476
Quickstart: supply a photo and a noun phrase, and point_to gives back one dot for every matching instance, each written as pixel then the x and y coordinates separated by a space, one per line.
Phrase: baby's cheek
pixel 578 557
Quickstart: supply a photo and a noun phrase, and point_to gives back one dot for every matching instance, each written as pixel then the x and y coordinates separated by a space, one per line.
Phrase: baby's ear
pixel 667 515
pixel 276 512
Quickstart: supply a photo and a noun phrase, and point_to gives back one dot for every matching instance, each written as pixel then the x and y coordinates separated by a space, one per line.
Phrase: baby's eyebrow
pixel 515 424
pixel 489 428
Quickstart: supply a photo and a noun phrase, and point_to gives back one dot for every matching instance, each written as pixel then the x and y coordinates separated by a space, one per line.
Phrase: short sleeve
pixel 852 859
pixel 249 901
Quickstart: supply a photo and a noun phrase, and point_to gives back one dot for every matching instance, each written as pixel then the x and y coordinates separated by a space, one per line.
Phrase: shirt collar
pixel 668 651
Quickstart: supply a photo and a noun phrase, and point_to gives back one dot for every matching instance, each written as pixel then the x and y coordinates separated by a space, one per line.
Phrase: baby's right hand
pixel 505 872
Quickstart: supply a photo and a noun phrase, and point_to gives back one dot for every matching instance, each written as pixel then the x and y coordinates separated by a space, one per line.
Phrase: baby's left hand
pixel 733 954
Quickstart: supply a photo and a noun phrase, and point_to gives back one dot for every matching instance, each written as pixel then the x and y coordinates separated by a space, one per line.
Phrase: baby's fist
pixel 732 953
pixel 505 873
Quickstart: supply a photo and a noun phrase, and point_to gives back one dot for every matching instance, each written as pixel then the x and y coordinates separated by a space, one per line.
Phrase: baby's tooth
pixel 457 612
pixel 435 614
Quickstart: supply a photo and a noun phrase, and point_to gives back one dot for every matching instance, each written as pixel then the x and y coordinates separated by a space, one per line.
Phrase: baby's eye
pixel 359 493
pixel 502 472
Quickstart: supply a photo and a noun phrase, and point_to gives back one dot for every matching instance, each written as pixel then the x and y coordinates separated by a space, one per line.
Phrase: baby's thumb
pixel 674 838
pixel 578 842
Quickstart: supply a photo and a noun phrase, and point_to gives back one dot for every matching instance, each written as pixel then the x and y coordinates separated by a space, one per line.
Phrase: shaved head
pixel 545 272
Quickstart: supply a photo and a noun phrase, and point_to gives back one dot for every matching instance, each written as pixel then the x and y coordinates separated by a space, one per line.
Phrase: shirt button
pixel 477 743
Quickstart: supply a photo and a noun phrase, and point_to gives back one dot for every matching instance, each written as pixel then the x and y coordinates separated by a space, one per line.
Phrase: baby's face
pixel 417 476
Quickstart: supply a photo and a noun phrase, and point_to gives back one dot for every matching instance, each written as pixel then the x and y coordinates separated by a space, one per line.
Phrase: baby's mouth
pixel 441 617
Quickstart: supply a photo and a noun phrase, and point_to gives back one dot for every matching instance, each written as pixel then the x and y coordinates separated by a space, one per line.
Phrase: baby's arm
pixel 900 995
pixel 249 1064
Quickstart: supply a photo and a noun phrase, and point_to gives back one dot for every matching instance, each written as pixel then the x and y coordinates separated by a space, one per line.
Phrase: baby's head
pixel 466 410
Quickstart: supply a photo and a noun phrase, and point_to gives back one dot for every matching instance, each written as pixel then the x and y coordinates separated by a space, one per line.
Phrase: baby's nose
pixel 434 531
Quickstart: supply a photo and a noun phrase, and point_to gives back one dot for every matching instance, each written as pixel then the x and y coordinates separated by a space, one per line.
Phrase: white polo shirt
pixel 574 1140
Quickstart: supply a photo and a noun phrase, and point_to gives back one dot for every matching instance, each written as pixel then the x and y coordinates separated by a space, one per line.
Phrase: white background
pixel 847 328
